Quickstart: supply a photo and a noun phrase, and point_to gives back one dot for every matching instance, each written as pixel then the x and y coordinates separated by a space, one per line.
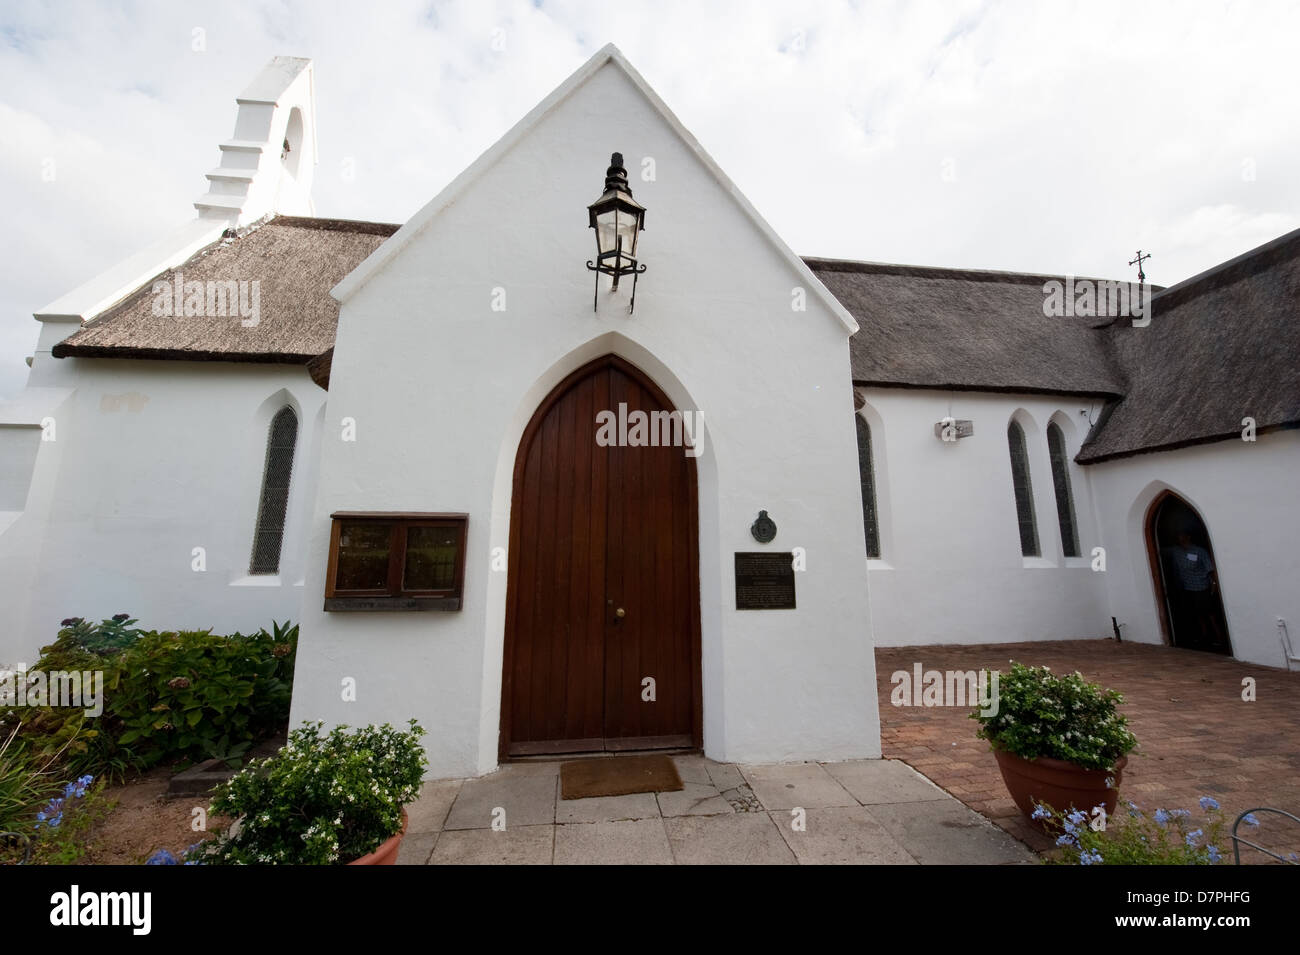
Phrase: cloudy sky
pixel 1046 136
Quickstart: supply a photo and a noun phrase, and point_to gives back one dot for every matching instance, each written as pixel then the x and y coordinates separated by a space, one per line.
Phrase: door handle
pixel 620 613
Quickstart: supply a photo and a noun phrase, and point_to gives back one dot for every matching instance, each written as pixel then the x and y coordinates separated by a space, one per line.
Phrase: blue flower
pixel 1078 816
pixel 1089 857
pixel 1208 802
pixel 1179 812
pixel 1161 817
pixel 1041 812
pixel 1192 836
pixel 1250 820
pixel 161 857
pixel 1214 853
pixel 1065 840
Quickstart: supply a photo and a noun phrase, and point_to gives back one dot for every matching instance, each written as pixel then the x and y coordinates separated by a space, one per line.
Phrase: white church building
pixel 546 508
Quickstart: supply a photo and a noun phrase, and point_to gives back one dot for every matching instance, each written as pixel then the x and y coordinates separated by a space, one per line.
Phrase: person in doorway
pixel 1198 581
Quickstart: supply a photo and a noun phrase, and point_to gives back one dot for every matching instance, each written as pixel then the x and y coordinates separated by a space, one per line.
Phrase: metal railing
pixel 1238 841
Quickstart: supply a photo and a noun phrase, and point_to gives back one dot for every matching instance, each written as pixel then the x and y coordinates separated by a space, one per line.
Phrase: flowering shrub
pixel 1166 837
pixel 52 815
pixel 64 825
pixel 165 857
pixel 321 800
pixel 105 638
pixel 167 696
pixel 1061 717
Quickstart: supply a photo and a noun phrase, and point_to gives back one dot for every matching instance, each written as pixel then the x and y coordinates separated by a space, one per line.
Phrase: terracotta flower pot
pixel 1059 784
pixel 386 852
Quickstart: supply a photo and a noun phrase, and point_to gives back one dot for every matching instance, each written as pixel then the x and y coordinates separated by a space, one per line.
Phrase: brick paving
pixel 1196 736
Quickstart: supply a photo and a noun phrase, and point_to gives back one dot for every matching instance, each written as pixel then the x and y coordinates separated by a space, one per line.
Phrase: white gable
pixel 607 56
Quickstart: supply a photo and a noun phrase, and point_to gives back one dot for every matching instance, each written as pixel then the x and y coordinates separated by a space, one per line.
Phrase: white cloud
pixel 1043 137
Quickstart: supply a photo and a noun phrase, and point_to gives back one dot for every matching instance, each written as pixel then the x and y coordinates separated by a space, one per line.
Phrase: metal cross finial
pixel 1138 262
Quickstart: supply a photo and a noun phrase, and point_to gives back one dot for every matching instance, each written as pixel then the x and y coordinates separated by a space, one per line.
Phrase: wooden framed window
pixel 396 561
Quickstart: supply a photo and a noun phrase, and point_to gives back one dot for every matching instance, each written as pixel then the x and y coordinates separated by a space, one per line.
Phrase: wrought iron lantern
pixel 617 219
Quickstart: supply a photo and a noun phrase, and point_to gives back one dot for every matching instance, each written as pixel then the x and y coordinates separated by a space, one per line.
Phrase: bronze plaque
pixel 765 581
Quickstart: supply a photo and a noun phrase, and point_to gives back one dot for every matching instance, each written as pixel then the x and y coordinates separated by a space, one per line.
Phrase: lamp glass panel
pixel 606 230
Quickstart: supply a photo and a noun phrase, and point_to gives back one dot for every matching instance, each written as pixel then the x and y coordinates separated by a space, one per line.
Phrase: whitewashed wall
pixel 150 460
pixel 1247 495
pixel 950 569
pixel 441 387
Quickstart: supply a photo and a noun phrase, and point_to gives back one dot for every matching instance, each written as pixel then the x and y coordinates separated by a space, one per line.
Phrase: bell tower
pixel 267 165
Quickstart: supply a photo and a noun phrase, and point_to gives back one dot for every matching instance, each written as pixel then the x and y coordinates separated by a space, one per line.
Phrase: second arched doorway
pixel 1186 576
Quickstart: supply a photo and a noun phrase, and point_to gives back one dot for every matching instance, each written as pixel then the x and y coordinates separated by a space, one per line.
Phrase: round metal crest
pixel 763 529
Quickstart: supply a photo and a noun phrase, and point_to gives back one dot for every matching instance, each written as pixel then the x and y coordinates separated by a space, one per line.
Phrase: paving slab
pixel 528 800
pixel 692 769
pixel 725 775
pixel 430 809
pixel 840 835
pixel 626 842
pixel 876 781
pixel 607 808
pixel 944 832
pixel 530 768
pixel 694 799
pixel 416 848
pixel 738 839
pixel 522 845
pixel 789 785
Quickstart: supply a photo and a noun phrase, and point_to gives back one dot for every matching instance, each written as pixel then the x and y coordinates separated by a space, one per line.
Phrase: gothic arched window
pixel 274 503
pixel 1024 490
pixel 1064 495
pixel 867 473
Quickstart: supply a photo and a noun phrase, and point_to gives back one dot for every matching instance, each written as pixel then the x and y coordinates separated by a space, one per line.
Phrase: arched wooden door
pixel 602 647
pixel 1185 574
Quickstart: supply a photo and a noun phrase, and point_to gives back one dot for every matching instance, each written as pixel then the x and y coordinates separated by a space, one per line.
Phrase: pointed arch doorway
pixel 602 635
pixel 1185 574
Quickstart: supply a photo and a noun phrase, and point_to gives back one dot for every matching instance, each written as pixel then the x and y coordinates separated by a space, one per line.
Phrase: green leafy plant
pixel 1061 717
pixel 321 800
pixel 200 695
pixel 102 639
pixel 24 781
pixel 167 696
pixel 1166 837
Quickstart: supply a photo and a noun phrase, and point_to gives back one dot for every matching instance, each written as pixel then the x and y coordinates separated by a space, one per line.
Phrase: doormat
pixel 618 776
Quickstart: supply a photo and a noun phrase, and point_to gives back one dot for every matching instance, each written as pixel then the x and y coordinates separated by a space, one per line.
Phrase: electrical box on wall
pixel 950 429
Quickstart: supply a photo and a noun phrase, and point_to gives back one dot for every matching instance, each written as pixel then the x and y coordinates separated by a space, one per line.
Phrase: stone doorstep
pixel 200 779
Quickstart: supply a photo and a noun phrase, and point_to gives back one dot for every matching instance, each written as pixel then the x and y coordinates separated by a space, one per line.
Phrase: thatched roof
pixel 965 330
pixel 1222 346
pixel 294 261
